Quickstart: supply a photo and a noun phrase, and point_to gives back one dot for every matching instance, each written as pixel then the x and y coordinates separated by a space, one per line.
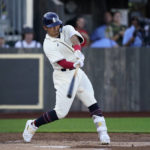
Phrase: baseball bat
pixel 70 91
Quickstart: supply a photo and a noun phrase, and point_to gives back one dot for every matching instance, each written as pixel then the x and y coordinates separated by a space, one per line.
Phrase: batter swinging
pixel 62 48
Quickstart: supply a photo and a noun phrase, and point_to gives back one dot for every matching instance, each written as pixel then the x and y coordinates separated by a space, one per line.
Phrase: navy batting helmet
pixel 51 19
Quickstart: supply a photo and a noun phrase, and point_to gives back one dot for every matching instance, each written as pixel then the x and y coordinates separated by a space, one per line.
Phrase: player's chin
pixel 57 34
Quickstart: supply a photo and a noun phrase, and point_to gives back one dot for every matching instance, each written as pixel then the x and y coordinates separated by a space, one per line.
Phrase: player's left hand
pixel 79 55
pixel 79 63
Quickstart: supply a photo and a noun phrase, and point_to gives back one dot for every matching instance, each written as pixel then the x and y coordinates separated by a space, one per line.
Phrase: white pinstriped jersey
pixel 61 48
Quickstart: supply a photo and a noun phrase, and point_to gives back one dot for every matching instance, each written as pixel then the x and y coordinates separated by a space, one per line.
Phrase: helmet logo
pixel 54 19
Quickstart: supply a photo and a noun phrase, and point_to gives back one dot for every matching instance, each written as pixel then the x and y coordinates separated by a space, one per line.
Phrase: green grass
pixel 134 125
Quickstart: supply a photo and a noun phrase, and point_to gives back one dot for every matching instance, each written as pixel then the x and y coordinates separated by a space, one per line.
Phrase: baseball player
pixel 62 48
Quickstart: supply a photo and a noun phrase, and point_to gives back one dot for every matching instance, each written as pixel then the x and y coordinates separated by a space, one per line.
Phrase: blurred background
pixel 117 41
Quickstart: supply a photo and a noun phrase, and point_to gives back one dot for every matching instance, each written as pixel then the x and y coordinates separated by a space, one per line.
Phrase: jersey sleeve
pixel 70 31
pixel 51 51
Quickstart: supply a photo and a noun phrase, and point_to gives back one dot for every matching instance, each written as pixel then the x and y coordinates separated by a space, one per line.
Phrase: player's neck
pixel 55 36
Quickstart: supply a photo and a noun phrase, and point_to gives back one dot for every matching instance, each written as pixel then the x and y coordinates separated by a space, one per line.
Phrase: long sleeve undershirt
pixel 66 64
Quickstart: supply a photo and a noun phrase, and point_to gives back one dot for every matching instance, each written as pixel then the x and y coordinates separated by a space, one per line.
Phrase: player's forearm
pixel 75 42
pixel 66 64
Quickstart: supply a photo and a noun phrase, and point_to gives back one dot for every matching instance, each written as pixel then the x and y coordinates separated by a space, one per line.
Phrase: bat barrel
pixel 70 91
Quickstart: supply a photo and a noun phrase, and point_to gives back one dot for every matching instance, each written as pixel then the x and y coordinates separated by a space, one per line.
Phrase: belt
pixel 67 69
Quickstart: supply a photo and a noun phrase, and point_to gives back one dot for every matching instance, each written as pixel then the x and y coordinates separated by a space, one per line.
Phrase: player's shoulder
pixel 68 28
pixel 69 31
pixel 48 39
pixel 49 44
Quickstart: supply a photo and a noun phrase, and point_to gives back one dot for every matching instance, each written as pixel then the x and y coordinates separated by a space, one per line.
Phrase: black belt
pixel 67 69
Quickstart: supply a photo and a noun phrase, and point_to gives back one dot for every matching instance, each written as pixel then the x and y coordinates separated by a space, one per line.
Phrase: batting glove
pixel 79 55
pixel 79 63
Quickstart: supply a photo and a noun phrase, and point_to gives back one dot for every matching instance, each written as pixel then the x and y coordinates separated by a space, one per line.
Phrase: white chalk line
pixel 16 141
pixel 53 146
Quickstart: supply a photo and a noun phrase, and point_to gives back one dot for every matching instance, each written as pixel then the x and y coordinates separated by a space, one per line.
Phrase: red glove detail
pixel 77 47
pixel 65 64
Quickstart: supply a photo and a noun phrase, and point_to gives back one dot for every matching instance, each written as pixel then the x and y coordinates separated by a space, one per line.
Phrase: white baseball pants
pixel 82 88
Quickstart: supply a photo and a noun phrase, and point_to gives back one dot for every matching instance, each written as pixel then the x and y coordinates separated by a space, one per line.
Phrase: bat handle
pixel 69 95
pixel 75 73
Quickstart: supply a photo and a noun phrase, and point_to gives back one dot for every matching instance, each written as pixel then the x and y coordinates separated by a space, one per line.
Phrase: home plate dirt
pixel 76 141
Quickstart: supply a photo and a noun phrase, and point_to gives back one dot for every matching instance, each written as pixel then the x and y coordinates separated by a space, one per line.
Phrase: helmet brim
pixel 54 24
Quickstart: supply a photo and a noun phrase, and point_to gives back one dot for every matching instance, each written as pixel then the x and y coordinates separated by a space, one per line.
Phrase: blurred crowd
pixel 27 40
pixel 114 34
pixel 108 35
pixel 111 33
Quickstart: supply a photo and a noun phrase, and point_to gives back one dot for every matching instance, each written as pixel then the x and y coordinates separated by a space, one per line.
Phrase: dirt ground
pixel 77 141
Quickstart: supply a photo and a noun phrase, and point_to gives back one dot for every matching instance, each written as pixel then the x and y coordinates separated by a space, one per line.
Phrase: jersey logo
pixel 57 44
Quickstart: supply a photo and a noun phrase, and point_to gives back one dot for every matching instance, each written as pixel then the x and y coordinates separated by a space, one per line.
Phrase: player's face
pixel 53 31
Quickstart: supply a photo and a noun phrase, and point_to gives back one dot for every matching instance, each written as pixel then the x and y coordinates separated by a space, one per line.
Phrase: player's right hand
pixel 79 63
pixel 79 55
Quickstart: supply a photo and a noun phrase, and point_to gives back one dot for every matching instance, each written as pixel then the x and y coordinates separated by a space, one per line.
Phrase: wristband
pixel 77 47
